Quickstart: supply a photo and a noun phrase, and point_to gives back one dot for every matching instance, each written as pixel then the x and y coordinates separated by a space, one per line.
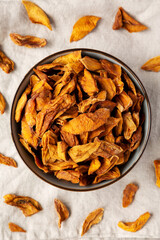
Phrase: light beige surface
pixel 134 49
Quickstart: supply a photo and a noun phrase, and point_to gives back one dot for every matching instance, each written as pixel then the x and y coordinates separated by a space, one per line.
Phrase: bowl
pixel 135 156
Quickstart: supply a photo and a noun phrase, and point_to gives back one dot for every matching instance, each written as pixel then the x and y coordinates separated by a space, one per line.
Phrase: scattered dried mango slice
pixel 7 161
pixel 2 104
pixel 83 26
pixel 61 210
pixel 152 64
pixel 137 225
pixel 93 218
pixel 27 205
pixel 128 194
pixel 15 228
pixel 6 64
pixel 157 171
pixel 28 41
pixel 124 20
pixel 36 14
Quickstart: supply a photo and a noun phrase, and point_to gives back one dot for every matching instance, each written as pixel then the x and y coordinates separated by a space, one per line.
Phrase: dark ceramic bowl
pixel 135 156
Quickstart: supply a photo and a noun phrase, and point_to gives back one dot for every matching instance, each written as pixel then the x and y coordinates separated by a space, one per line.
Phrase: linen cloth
pixel 134 49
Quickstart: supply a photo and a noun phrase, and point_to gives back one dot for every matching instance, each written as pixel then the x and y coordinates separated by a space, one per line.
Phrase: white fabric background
pixel 134 49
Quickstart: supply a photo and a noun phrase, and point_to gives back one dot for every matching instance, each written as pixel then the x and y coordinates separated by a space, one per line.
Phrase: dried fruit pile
pixel 80 118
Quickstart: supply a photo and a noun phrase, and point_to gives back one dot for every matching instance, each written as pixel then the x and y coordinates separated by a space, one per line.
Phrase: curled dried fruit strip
pixel 7 161
pixel 27 205
pixel 152 64
pixel 83 26
pixel 137 225
pixel 124 20
pixel 2 104
pixel 28 41
pixel 128 194
pixel 157 170
pixel 6 64
pixel 15 228
pixel 36 14
pixel 92 219
pixel 62 211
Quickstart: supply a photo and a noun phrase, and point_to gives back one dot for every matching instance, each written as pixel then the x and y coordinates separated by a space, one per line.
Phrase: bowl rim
pixel 63 52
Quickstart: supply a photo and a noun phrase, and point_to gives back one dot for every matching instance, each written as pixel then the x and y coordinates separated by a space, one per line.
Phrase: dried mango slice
pixel 94 165
pixel 28 133
pixel 36 14
pixel 61 165
pixel 30 112
pixel 152 64
pixel 129 82
pixel 123 19
pixel 34 80
pixel 87 122
pixel 91 64
pixel 6 64
pixel 124 102
pixel 68 175
pixel 83 26
pixel 28 41
pixel 107 164
pixel 114 70
pixel 85 104
pixel 21 103
pixel 157 171
pixel 2 104
pixel 108 85
pixel 79 93
pixel 118 129
pixel 69 58
pixel 109 137
pixel 88 83
pixel 15 228
pixel 42 99
pixel 93 218
pixel 27 205
pixel 129 125
pixel 137 225
pixel 128 194
pixel 70 113
pixel 136 118
pixel 61 210
pixel 119 85
pixel 69 138
pixel 109 125
pixel 84 137
pixel 7 161
pixel 62 150
pixel 112 174
pixel 105 104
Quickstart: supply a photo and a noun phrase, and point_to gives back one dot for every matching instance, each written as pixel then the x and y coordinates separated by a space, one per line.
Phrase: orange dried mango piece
pixel 129 82
pixel 68 175
pixel 128 194
pixel 152 64
pixel 61 210
pixel 83 26
pixel 62 150
pixel 21 103
pixel 42 99
pixel 85 104
pixel 27 205
pixel 34 80
pixel 88 83
pixel 93 218
pixel 6 64
pixel 108 85
pixel 28 41
pixel 69 138
pixel 124 102
pixel 15 228
pixel 61 165
pixel 69 58
pixel 118 129
pixel 30 112
pixel 119 85
pixel 91 64
pixel 7 161
pixel 109 137
pixel 128 125
pixel 36 14
pixel 2 103
pixel 111 174
pixel 124 20
pixel 137 225
pixel 94 165
pixel 84 137
pixel 87 122
pixel 157 171
pixel 107 164
pixel 114 70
